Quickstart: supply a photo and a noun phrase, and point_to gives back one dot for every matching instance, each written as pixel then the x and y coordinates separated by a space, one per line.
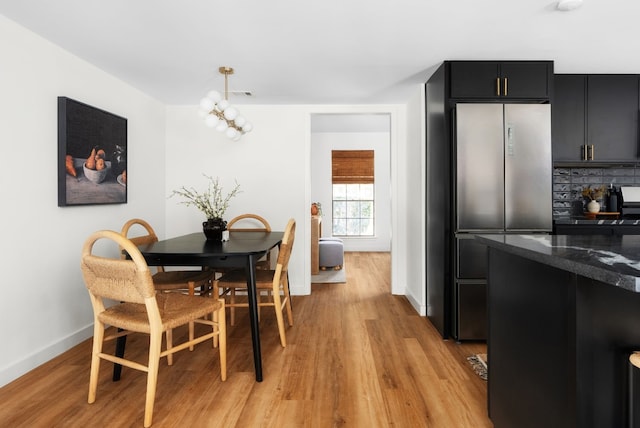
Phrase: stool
pixel 331 253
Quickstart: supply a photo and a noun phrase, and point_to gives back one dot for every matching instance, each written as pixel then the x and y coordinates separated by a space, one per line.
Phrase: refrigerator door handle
pixel 510 140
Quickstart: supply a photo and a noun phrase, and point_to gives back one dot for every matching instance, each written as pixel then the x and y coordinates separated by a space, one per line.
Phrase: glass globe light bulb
pixel 231 132
pixel 223 104
pixel 247 127
pixel 211 121
pixel 214 96
pixel 207 104
pixel 240 120
pixel 230 113
pixel 221 126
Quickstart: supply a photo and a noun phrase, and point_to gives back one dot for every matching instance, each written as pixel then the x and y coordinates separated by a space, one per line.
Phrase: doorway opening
pixel 352 132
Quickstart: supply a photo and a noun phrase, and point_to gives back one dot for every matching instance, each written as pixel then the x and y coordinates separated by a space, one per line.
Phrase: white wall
pixel 322 143
pixel 415 217
pixel 45 308
pixel 268 163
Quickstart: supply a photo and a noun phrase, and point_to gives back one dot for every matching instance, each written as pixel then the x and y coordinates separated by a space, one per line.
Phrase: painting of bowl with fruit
pixel 96 175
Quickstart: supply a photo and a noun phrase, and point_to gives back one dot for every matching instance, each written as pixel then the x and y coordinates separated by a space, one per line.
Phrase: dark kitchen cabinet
pixel 595 117
pixel 612 117
pixel 568 117
pixel 501 80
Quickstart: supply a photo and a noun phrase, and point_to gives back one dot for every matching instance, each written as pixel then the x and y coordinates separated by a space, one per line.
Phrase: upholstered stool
pixel 331 253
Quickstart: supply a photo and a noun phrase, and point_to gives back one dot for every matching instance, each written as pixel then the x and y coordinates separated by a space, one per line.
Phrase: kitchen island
pixel 563 316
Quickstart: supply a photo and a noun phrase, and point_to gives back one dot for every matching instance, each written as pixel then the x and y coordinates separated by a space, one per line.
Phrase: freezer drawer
pixel 471 258
pixel 471 313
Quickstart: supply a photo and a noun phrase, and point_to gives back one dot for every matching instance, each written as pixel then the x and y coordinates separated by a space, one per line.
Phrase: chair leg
pixel 169 346
pixel 232 300
pixel 277 305
pixel 222 339
pixel 191 334
pixel 98 339
pixel 216 322
pixel 152 376
pixel 287 298
pixel 258 301
pixel 192 292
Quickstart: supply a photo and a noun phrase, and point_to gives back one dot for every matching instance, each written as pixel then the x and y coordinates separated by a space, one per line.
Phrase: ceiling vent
pixel 566 5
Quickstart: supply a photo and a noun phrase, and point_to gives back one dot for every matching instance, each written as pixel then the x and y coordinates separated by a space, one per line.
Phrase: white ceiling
pixel 324 52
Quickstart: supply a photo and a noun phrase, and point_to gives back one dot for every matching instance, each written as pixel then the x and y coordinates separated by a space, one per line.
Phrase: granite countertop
pixel 610 259
pixel 597 221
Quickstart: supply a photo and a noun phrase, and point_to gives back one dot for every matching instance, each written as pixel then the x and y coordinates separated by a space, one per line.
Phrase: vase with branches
pixel 212 202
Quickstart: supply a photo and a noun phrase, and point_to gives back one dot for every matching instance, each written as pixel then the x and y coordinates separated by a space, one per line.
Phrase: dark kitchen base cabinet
pixel 558 346
pixel 471 312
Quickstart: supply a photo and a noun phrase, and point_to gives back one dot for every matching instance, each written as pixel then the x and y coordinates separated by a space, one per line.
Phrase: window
pixel 353 192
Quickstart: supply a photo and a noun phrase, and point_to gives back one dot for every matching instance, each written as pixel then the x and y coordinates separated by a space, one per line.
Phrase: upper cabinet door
pixel 501 80
pixel 526 79
pixel 474 79
pixel 568 113
pixel 612 116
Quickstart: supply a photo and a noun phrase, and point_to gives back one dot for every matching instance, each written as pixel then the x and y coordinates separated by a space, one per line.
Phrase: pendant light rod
pixel 226 71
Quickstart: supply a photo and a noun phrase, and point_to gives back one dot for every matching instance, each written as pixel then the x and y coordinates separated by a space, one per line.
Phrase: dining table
pixel 241 250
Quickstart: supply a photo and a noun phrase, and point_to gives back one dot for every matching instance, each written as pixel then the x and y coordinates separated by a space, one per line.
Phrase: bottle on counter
pixel 613 199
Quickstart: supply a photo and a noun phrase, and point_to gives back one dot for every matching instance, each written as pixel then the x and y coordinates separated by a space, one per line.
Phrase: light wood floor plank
pixel 357 356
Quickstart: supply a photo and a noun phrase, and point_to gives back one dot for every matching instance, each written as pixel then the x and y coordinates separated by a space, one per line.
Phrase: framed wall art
pixel 92 155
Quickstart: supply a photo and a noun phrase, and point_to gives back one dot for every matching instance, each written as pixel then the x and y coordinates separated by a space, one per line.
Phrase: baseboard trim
pixel 421 309
pixel 14 371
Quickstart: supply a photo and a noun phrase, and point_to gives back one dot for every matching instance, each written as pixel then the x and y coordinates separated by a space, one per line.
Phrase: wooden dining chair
pixel 168 280
pixel 252 223
pixel 186 281
pixel 247 223
pixel 141 310
pixel 275 280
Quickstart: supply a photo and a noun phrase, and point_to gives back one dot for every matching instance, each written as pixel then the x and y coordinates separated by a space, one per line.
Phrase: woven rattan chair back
pixel 117 279
pixel 259 223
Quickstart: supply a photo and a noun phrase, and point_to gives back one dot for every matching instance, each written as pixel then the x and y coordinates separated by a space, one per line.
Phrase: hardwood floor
pixel 357 356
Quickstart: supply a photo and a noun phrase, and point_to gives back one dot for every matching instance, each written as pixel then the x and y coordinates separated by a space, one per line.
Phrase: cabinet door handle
pixel 584 152
pixel 497 86
pixel 505 87
pixel 591 152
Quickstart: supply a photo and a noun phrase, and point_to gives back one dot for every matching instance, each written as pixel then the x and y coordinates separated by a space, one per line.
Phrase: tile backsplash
pixel 569 182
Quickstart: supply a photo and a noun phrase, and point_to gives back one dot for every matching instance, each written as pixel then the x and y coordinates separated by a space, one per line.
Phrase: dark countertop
pixel 611 259
pixel 598 221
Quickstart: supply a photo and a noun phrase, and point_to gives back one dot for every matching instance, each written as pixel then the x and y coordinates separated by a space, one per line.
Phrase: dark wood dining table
pixel 242 250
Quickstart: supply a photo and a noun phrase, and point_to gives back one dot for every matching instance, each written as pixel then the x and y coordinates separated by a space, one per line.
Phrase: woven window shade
pixel 352 166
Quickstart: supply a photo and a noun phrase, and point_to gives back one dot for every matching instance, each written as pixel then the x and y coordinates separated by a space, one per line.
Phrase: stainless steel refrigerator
pixel 502 184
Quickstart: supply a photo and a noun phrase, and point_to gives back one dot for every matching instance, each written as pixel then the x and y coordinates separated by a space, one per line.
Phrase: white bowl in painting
pixel 95 175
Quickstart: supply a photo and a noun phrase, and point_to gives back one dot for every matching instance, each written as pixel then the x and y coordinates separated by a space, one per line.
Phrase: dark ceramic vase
pixel 213 228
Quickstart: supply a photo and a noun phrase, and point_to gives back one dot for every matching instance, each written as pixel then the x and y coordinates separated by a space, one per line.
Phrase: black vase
pixel 213 228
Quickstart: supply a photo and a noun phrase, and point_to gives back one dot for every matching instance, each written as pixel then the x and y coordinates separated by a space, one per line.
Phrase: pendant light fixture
pixel 221 115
